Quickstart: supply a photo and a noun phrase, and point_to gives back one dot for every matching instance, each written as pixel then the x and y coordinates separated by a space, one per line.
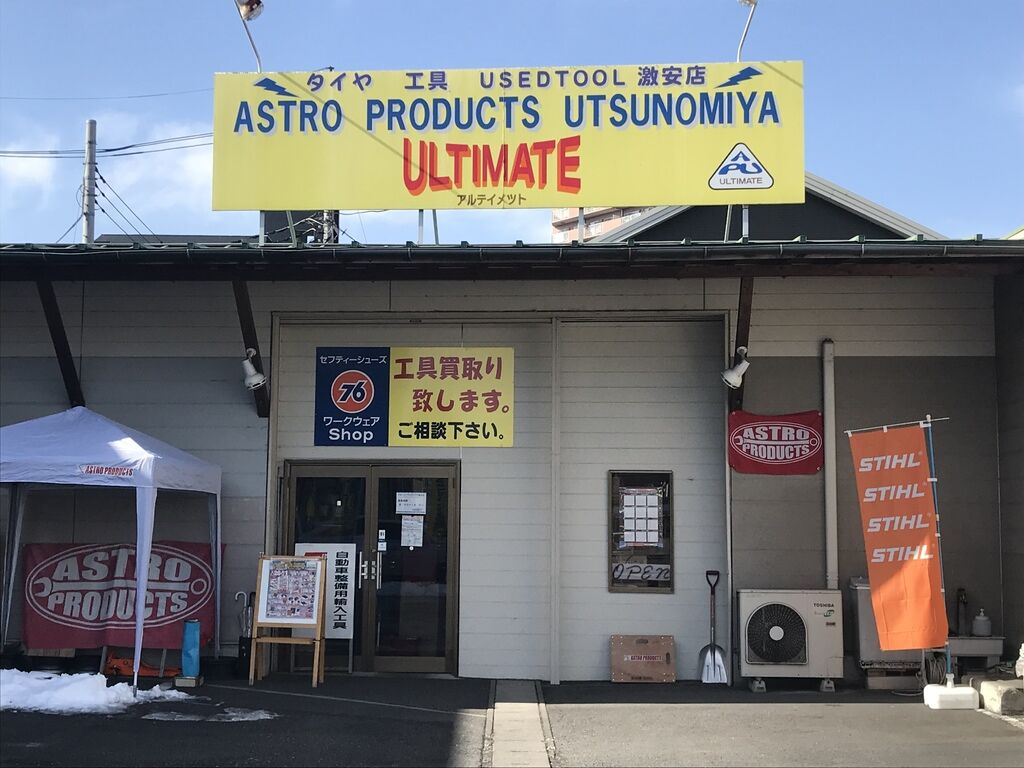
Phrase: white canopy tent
pixel 81 448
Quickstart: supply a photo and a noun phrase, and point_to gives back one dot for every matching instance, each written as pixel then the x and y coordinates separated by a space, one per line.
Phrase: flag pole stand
pixel 950 695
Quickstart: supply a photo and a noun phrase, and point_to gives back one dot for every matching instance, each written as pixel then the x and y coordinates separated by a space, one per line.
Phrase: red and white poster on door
pixel 789 444
pixel 83 596
pixel 897 508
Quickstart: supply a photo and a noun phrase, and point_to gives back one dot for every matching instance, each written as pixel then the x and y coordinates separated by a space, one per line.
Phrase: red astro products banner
pixel 790 444
pixel 897 510
pixel 83 596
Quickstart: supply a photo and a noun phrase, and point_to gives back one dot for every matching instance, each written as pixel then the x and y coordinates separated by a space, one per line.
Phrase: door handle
pixel 363 570
pixel 376 571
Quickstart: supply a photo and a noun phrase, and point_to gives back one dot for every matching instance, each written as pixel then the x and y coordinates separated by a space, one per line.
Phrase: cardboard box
pixel 643 659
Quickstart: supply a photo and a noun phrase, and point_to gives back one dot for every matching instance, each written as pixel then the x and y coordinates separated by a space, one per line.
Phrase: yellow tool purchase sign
pixel 649 134
pixel 454 396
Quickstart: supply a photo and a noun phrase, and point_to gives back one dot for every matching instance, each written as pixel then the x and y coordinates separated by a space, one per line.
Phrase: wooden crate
pixel 643 659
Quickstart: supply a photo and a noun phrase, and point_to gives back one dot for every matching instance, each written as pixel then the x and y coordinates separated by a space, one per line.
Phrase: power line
pixel 122 215
pixel 114 222
pixel 111 188
pixel 77 219
pixel 161 149
pixel 170 140
pixel 106 98
pixel 112 151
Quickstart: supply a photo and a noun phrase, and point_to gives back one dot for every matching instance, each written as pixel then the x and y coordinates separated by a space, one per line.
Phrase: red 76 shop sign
pixel 351 404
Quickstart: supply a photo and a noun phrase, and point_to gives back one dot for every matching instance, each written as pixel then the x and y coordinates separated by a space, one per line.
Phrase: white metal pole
pixel 437 237
pixel 89 184
pixel 828 377
pixel 580 225
pixel 556 501
pixel 419 229
pixel 739 58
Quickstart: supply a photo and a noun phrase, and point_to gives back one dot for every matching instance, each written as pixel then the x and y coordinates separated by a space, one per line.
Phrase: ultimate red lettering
pixel 533 165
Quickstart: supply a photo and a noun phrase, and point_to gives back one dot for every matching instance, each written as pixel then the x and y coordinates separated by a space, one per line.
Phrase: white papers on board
pixel 412 531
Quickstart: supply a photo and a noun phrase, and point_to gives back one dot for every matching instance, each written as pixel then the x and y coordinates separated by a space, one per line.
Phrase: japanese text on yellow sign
pixel 441 396
pixel 638 135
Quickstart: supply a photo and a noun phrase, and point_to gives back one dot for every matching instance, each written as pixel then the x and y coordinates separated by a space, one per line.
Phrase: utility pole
pixel 89 184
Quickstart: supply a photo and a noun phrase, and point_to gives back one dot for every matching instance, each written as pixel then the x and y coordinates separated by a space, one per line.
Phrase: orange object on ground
pixel 122 665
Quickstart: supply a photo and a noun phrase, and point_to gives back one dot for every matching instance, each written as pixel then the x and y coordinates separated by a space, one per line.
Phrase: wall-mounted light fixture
pixel 733 377
pixel 253 378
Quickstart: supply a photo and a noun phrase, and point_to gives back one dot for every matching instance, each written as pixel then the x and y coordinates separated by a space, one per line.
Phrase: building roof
pixel 154 239
pixel 815 185
pixel 356 261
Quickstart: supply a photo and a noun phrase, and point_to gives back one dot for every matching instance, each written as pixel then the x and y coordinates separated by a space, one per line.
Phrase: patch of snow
pixel 173 716
pixel 229 715
pixel 72 694
pixel 238 715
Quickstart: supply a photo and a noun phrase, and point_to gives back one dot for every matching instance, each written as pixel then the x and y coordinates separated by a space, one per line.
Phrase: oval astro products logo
pixel 93 586
pixel 776 442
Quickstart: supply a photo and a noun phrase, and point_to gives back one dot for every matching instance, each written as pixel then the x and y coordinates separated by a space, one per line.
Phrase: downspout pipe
pixel 828 379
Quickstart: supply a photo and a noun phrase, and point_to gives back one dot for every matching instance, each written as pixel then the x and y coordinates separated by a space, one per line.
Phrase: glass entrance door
pixel 402 520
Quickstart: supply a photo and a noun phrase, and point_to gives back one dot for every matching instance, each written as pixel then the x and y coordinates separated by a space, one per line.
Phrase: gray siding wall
pixel 778 522
pixel 1010 382
pixel 870 392
pixel 164 358
pixel 160 358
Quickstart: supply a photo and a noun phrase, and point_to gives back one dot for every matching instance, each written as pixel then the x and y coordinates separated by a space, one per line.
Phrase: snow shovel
pixel 712 659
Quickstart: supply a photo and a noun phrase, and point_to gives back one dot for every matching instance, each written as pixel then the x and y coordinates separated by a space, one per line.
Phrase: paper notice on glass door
pixel 412 531
pixel 411 503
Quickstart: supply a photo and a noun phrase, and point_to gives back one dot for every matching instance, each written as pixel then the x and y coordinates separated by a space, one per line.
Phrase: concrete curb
pixel 545 724
pixel 1001 697
pixel 487 749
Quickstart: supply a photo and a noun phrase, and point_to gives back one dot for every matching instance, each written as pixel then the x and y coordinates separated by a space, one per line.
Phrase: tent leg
pixel 103 660
pixel 163 661
pixel 13 558
pixel 215 555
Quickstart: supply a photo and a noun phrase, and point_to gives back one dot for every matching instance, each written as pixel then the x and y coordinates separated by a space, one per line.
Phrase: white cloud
pixel 170 190
pixel 28 174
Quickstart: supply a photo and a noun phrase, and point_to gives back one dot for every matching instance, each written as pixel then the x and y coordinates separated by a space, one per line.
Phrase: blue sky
pixel 918 106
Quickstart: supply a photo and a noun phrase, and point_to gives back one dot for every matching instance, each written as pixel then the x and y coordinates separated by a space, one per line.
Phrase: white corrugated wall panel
pixel 641 396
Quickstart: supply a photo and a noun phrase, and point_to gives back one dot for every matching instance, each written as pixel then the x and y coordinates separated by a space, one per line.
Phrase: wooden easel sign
pixel 289 595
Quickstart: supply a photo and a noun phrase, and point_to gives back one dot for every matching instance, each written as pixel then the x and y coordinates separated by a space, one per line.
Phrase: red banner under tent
pixel 79 447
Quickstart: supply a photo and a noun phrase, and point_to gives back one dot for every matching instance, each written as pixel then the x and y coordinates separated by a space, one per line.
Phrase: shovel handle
pixel 712 578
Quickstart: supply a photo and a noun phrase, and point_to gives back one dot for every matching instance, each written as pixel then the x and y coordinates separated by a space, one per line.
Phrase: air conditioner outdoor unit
pixel 791 633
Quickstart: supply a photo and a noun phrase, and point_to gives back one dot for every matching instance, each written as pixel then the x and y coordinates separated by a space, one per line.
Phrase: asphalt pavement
pixel 684 724
pixel 379 721
pixel 440 721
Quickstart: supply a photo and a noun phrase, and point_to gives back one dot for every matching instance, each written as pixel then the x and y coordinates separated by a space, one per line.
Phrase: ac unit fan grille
pixel 776 635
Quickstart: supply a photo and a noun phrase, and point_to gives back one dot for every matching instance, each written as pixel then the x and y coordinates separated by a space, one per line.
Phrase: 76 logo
pixel 352 391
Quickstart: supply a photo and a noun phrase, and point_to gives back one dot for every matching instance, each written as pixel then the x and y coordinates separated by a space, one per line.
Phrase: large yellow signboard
pixel 659 134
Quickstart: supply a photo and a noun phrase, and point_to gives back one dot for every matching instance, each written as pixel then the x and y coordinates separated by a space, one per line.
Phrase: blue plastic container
pixel 190 649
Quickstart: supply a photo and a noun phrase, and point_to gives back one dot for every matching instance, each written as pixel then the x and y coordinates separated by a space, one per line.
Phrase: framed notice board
pixel 640 528
pixel 289 594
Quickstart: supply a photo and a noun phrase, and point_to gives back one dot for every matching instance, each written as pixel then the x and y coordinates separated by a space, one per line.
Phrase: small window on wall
pixel 640 532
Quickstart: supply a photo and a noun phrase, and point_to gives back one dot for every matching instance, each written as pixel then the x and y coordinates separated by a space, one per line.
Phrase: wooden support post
pixel 743 313
pixel 251 341
pixel 61 348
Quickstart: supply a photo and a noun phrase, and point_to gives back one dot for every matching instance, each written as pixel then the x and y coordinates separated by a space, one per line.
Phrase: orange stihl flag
pixel 897 510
